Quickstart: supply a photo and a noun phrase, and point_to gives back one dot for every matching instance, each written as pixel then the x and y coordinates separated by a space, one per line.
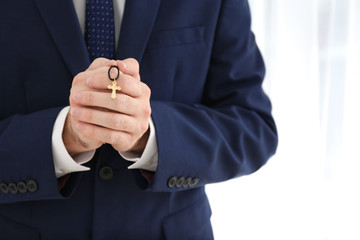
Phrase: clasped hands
pixel 95 118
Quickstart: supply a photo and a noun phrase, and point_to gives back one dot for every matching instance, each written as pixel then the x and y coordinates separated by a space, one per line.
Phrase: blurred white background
pixel 310 190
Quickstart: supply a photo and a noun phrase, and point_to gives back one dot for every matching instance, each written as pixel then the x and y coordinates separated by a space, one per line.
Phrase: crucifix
pixel 114 85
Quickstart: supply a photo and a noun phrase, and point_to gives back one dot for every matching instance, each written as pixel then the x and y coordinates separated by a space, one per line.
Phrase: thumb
pixel 129 66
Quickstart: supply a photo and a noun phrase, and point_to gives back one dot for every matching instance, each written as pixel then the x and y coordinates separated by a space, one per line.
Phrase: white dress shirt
pixel 63 162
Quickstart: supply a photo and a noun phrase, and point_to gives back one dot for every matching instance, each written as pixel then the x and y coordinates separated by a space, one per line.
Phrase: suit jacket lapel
pixel 62 22
pixel 138 21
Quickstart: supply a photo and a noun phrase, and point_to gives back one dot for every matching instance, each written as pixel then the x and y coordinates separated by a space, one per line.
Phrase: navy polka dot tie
pixel 99 29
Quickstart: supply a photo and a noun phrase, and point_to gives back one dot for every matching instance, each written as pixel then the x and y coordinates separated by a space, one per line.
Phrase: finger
pixel 104 135
pixel 98 73
pixel 128 84
pixel 122 104
pixel 101 62
pixel 111 120
pixel 98 63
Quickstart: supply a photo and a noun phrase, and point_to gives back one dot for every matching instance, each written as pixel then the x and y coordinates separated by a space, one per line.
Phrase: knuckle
pixel 98 62
pixel 133 61
pixel 120 102
pixel 79 78
pixel 89 98
pixel 147 91
pixel 147 111
pixel 144 127
pixel 114 137
pixel 119 122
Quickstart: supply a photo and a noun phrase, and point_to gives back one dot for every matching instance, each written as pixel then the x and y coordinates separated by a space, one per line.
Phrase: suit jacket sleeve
pixel 26 157
pixel 229 133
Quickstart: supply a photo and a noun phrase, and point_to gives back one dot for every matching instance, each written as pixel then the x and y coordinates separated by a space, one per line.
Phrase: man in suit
pixel 76 163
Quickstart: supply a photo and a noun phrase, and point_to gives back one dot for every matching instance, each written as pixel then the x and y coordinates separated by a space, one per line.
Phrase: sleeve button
pixel 187 182
pixel 180 182
pixel 13 188
pixel 22 187
pixel 4 188
pixel 32 186
pixel 172 182
pixel 194 182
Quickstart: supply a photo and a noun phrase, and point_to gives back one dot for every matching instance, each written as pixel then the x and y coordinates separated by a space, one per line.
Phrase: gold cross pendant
pixel 114 87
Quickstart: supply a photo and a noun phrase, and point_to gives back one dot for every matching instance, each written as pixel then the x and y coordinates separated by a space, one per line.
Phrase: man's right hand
pixel 74 142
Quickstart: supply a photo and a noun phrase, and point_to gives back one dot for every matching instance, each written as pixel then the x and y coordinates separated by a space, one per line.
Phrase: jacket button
pixel 106 173
pixel 194 182
pixel 172 182
pixel 4 188
pixel 22 187
pixel 32 186
pixel 180 182
pixel 13 188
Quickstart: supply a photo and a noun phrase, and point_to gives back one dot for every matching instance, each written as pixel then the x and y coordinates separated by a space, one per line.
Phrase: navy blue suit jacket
pixel 213 121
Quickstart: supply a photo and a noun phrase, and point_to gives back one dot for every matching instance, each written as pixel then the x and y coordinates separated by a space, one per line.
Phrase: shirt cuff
pixel 149 158
pixel 63 162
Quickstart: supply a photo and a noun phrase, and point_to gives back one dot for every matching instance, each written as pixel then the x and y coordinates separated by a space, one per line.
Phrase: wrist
pixel 73 144
pixel 140 145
